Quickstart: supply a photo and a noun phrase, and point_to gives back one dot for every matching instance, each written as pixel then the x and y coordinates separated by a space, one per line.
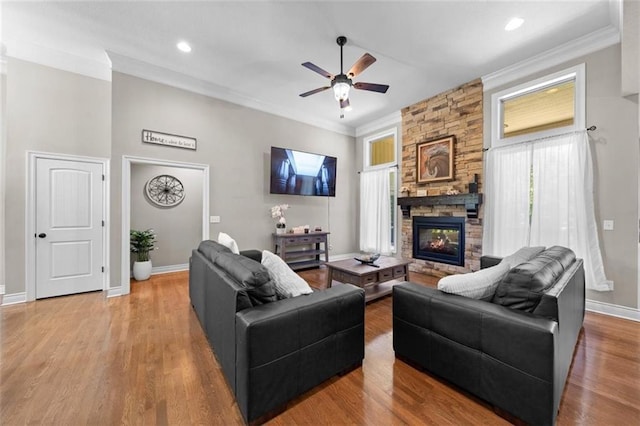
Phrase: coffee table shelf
pixel 377 281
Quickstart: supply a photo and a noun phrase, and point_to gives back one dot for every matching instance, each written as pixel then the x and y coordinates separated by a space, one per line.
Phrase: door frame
pixel 127 162
pixel 30 208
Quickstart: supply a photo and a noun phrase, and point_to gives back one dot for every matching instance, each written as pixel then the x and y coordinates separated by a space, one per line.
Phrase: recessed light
pixel 514 24
pixel 184 47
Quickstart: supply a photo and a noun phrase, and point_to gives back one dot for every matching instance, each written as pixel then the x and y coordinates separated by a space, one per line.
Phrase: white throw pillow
pixel 522 255
pixel 228 242
pixel 288 283
pixel 477 285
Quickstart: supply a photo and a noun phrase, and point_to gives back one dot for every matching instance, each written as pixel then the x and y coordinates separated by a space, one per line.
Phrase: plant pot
pixel 281 230
pixel 142 270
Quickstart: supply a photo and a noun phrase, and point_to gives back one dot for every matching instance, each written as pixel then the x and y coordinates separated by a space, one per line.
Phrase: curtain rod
pixel 390 167
pixel 588 129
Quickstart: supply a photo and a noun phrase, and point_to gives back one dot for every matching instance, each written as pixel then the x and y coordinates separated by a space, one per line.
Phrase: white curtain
pixel 560 171
pixel 563 208
pixel 375 225
pixel 506 205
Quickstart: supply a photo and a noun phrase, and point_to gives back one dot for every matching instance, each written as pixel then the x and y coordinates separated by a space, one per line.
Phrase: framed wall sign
pixel 167 139
pixel 435 160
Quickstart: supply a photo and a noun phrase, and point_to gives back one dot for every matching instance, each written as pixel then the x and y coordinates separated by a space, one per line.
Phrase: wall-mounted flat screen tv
pixel 302 173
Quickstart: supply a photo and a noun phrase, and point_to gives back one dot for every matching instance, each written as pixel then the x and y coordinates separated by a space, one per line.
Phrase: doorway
pixel 127 163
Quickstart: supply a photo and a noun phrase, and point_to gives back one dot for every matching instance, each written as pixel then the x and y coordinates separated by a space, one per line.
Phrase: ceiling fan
pixel 342 82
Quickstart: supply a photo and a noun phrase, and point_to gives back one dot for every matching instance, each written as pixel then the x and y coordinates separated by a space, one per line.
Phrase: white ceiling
pixel 250 52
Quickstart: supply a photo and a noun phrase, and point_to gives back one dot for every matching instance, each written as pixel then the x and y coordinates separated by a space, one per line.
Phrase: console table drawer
pixel 399 271
pixel 385 275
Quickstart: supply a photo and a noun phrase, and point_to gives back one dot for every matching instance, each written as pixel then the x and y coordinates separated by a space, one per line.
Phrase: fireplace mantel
pixel 471 202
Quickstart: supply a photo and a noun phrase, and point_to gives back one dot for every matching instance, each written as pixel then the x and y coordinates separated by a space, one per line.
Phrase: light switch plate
pixel 214 219
pixel 607 225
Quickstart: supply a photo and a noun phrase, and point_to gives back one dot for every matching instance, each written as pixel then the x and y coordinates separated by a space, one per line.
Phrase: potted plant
pixel 142 242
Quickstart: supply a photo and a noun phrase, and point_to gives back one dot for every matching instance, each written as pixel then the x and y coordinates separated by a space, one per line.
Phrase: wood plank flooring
pixel 144 359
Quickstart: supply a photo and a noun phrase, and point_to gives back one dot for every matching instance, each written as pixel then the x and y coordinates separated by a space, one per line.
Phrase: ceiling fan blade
pixel 314 91
pixel 344 103
pixel 361 65
pixel 317 69
pixel 380 88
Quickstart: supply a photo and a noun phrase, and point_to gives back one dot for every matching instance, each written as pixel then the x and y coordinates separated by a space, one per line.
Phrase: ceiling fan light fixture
pixel 341 91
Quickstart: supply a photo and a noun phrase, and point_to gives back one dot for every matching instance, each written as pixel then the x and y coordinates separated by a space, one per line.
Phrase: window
pixel 545 107
pixel 380 153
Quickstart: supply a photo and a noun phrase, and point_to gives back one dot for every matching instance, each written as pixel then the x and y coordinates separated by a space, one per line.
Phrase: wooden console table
pixel 291 248
pixel 377 281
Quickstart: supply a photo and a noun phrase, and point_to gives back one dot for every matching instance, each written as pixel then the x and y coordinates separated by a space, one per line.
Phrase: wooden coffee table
pixel 377 281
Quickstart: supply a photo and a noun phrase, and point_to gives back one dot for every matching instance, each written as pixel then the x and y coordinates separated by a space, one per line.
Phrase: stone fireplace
pixel 457 112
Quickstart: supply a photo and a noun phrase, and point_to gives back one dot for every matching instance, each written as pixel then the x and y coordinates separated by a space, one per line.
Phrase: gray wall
pixel 616 161
pixel 236 142
pixel 178 229
pixel 57 111
pixel 52 111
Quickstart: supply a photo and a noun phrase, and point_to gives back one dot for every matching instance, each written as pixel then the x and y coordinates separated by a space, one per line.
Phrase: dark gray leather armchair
pixel 517 361
pixel 272 352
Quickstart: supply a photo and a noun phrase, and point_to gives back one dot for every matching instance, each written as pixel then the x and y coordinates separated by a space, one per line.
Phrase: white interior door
pixel 69 227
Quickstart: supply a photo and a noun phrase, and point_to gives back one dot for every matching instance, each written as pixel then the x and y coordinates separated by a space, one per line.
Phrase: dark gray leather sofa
pixel 516 360
pixel 272 351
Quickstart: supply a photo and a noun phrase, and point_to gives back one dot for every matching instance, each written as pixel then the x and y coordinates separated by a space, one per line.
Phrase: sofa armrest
pixel 489 261
pixel 287 347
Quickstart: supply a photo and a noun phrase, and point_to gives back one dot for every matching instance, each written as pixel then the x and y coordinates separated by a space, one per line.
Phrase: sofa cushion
pixel 522 255
pixel 211 249
pixel 288 283
pixel 229 242
pixel 477 285
pixel 250 275
pixel 523 286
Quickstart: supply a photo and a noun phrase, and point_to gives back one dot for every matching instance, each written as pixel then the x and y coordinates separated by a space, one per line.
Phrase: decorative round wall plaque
pixel 165 191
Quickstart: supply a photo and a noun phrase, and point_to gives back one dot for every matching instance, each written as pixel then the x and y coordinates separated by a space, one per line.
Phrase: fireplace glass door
pixel 439 239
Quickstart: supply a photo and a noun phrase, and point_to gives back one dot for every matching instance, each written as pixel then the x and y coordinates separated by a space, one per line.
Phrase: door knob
pixel 42 235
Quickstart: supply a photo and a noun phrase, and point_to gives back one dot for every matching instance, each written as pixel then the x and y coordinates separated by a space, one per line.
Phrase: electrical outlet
pixel 330 247
pixel 607 225
pixel 214 219
pixel 422 192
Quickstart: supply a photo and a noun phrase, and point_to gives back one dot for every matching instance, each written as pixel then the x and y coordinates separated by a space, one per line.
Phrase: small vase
pixel 142 270
pixel 280 231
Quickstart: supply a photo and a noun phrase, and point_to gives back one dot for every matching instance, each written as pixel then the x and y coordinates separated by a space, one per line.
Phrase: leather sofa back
pixel 524 285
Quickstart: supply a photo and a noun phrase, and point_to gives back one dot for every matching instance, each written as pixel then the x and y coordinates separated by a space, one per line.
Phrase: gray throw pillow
pixel 477 285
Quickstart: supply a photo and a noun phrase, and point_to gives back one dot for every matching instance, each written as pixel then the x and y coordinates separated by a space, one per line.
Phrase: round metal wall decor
pixel 165 191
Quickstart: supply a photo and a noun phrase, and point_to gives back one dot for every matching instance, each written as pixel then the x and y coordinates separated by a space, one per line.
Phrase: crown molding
pixel 392 119
pixel 59 59
pixel 176 79
pixel 581 46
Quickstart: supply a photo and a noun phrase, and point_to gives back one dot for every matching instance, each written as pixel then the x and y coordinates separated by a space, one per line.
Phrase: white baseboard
pixel 14 298
pixel 613 310
pixel 333 258
pixel 114 291
pixel 170 268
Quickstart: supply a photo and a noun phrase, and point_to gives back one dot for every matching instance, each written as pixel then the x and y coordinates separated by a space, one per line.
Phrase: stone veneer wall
pixel 456 112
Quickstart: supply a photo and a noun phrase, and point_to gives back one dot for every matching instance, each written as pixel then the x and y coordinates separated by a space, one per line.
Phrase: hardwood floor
pixel 144 359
